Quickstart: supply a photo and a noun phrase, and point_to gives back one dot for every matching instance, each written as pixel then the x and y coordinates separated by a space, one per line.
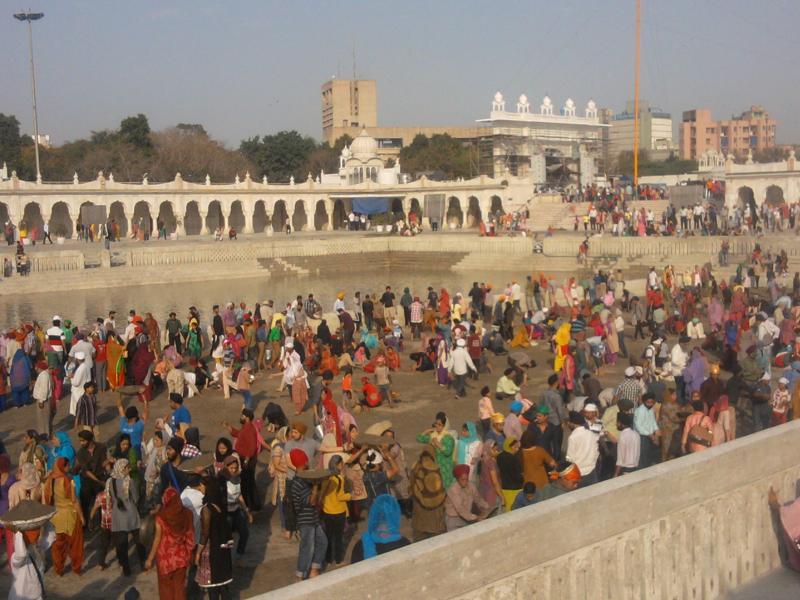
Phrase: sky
pixel 250 67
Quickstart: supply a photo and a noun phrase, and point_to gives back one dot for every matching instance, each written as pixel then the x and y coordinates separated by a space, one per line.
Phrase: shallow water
pixel 84 306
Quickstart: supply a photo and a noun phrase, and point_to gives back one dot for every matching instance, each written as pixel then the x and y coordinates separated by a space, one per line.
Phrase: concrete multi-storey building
pixel 655 129
pixel 751 131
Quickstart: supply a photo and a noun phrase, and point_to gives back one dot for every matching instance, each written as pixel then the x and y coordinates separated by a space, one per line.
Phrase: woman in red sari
pixel 328 362
pixel 392 359
pixel 444 303
pixel 172 546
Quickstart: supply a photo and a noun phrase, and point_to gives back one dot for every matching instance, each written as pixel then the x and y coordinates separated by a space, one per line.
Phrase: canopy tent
pixel 371 206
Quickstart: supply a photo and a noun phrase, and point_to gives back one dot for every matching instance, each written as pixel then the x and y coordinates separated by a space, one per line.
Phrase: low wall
pixel 694 527
pixel 662 247
pixel 165 254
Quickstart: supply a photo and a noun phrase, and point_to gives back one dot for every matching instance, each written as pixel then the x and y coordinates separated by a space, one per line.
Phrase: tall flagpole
pixel 636 100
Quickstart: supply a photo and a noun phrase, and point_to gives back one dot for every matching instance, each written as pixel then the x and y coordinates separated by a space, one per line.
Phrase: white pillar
pixel 203 224
pixel 329 210
pixel 248 210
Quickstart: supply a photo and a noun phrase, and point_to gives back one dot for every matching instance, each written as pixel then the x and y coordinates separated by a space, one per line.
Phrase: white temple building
pixel 359 162
pixel 555 147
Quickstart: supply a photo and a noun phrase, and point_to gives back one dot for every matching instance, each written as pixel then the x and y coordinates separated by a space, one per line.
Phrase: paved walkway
pixel 780 584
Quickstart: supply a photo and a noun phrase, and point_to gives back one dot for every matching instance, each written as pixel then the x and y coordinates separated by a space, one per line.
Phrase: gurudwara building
pixel 552 147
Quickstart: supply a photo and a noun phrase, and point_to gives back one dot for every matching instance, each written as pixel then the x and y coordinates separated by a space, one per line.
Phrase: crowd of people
pixel 519 447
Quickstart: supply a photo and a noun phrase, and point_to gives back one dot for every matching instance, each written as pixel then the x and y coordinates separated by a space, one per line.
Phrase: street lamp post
pixel 30 17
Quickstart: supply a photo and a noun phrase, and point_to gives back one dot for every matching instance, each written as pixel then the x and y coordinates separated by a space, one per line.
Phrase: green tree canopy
pixel 281 155
pixel 136 131
pixel 10 143
pixel 440 152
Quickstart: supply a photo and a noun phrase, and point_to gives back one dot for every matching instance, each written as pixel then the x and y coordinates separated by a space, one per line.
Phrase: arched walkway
pixel 300 218
pixel 34 223
pixel 142 218
pixel 454 215
pixel 259 217
pixel 215 218
pixel 279 216
pixel 3 212
pixel 192 221
pixel 320 216
pixel 745 194
pixel 474 216
pixel 117 215
pixel 60 221
pixel 167 216
pixel 774 196
pixel 497 205
pixel 416 209
pixel 236 218
pixel 339 214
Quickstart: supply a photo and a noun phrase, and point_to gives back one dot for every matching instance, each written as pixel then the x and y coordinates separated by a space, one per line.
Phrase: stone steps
pixel 562 216
pixel 98 278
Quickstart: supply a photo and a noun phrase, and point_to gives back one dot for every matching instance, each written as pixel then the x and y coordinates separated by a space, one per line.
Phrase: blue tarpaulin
pixel 371 206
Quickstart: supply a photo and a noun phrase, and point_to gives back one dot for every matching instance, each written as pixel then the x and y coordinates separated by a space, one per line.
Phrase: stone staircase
pixel 561 215
pixel 100 278
pixel 344 263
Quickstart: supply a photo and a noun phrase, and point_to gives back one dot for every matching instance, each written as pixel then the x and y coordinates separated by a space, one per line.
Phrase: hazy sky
pixel 251 67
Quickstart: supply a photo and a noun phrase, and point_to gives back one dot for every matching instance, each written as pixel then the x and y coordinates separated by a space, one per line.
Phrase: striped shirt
pixel 301 493
pixel 86 411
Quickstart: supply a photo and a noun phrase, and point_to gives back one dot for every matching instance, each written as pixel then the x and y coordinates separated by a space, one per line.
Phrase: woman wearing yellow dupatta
pixel 116 363
pixel 561 338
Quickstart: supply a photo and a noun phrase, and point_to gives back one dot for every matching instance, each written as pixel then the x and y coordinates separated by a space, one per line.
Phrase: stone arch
pixel 339 214
pixel 236 216
pixel 497 205
pixel 166 214
pixel 300 218
pixel 192 221
pixel 32 216
pixel 396 208
pixel 116 213
pixel 279 215
pixel 454 214
pixel 745 194
pixel 320 216
pixel 215 218
pixel 416 209
pixel 4 214
pixel 142 218
pixel 60 221
pixel 474 216
pixel 259 216
pixel 774 195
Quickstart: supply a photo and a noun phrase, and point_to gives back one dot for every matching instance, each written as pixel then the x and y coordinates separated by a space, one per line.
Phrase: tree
pixel 136 131
pixel 10 142
pixel 281 155
pixel 194 154
pixel 774 154
pixel 440 152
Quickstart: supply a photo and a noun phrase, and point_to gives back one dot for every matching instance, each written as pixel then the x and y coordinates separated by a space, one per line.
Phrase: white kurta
pixel 26 584
pixel 80 377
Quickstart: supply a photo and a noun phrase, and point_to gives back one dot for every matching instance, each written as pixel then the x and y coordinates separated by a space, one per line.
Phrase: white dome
pixel 364 146
pixel 569 103
pixel 547 101
pixel 498 97
pixel 523 99
pixel 591 105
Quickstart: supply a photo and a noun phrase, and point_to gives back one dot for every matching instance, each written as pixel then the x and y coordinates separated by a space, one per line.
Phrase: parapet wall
pixel 694 527
pixel 705 248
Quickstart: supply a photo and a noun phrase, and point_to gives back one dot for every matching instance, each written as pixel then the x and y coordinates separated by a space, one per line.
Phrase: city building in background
pixel 554 147
pixel 751 131
pixel 348 106
pixel 655 131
